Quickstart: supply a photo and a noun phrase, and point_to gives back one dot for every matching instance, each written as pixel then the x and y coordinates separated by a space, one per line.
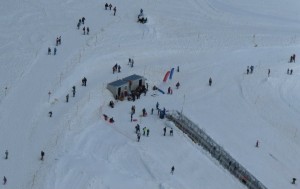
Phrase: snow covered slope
pixel 204 38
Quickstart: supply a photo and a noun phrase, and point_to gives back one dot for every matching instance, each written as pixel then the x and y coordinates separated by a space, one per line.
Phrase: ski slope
pixel 204 38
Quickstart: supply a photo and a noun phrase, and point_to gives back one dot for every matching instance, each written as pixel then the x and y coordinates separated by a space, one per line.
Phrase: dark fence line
pixel 216 151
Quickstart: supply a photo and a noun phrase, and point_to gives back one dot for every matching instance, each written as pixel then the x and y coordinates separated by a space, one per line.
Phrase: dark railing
pixel 216 151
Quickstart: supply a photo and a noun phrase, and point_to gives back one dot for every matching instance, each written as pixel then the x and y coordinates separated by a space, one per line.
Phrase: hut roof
pixel 132 77
pixel 117 83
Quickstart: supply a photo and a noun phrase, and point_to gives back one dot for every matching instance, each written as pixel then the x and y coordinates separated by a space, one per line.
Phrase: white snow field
pixel 205 38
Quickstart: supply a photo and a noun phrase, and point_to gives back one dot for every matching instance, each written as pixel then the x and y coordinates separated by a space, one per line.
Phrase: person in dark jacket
pixel 172 170
pixel 115 10
pixel 4 180
pixel 42 155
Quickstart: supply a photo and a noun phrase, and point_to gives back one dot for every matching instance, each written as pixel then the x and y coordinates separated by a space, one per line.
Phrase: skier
pixel 87 30
pixel 4 180
pixel 144 112
pixel 105 117
pixel 294 57
pixel 83 30
pixel 177 68
pixel 257 144
pixel 248 70
pixel 49 51
pixel 165 130
pixel 210 81
pixel 144 131
pixel 138 137
pixel 111 104
pixel 106 5
pixel 291 71
pixel 82 19
pixel 109 6
pixel 152 111
pixel 42 155
pixel 115 10
pixel 111 120
pixel 288 71
pixel 67 98
pixel 50 114
pixel 6 154
pixel 54 51
pixel 84 80
pixel 177 85
pixel 294 181
pixel 269 71
pixel 78 25
pixel 141 11
pixel 171 132
pixel 251 69
pixel 133 109
pixel 148 131
pixel 57 41
pixel 137 128
pixel 132 62
pixel 157 105
pixel 119 68
pixel 172 170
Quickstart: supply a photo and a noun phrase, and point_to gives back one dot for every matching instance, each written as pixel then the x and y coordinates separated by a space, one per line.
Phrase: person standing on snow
pixel 6 154
pixel 177 85
pixel 172 170
pixel 4 180
pixel 67 98
pixel 115 10
pixel 148 131
pixel 138 136
pixel 42 155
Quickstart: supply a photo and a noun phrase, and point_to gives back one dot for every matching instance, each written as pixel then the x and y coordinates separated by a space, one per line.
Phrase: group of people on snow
pixel 293 58
pixel 116 67
pixel 58 42
pixel 131 62
pixel 141 18
pixel 110 6
pixel 165 131
pixel 250 69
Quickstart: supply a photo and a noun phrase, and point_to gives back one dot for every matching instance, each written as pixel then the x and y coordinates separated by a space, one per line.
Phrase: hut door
pixel 140 82
pixel 119 91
